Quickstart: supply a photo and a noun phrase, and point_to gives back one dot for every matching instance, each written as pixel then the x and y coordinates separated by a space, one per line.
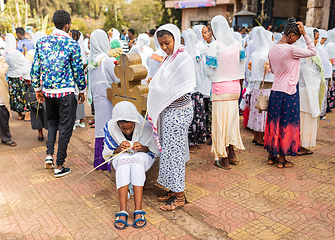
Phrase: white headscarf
pixel 174 78
pixel 277 37
pixel 99 48
pixel 128 112
pixel 238 37
pixel 14 58
pixel 322 34
pixel 222 31
pixel 227 51
pixel 184 32
pixel 263 43
pixel 331 36
pixel 197 29
pixel 324 54
pixel 82 47
pixel 191 42
pixel 142 47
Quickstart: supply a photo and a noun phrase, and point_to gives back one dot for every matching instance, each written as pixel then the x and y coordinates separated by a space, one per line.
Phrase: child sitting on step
pixel 129 132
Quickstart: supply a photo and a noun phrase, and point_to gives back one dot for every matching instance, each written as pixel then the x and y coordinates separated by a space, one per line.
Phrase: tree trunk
pixel 18 13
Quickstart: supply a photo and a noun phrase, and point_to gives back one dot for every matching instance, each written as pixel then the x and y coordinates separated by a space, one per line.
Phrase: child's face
pixel 322 41
pixel 127 128
pixel 166 43
pixel 206 35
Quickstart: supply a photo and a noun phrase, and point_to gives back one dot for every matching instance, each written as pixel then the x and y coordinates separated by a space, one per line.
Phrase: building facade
pixel 316 13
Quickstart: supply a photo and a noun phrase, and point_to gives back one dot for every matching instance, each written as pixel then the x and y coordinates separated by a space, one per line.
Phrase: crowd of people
pixel 197 91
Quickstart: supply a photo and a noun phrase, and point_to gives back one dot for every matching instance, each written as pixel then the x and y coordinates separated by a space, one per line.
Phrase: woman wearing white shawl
pixel 100 75
pixel 142 48
pixel 330 47
pixel 17 87
pixel 312 87
pixel 40 121
pixel 129 129
pixel 277 37
pixel 225 69
pixel 204 39
pixel 326 65
pixel 197 131
pixel 169 101
pixel 258 59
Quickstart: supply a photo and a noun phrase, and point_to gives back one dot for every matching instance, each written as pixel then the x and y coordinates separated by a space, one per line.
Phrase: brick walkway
pixel 251 201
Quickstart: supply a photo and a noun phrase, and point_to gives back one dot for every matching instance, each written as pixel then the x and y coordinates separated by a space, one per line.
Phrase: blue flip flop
pixel 117 220
pixel 139 219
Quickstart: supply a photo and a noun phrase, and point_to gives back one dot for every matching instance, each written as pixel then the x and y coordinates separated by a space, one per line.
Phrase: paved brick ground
pixel 251 201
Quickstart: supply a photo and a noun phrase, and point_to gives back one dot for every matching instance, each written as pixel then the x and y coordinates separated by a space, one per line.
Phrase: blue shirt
pixel 27 43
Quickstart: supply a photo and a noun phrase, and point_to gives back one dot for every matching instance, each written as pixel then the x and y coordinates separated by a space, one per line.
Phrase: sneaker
pixel 60 173
pixel 49 162
pixel 82 125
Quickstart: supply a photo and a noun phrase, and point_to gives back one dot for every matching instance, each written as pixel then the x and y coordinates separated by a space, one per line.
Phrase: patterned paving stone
pixel 194 192
pixel 324 193
pixel 9 225
pixel 99 230
pixel 40 223
pixel 171 230
pixel 295 213
pixel 55 191
pixel 262 228
pixel 232 215
pixel 103 203
pixel 251 164
pixel 294 179
pixel 206 174
pixel 327 215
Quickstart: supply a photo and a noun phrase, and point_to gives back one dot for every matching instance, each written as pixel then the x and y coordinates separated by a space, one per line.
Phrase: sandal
pixel 308 152
pixel 9 143
pixel 234 161
pixel 272 160
pixel 117 220
pixel 174 204
pixel 142 219
pixel 285 164
pixel 166 197
pixel 217 164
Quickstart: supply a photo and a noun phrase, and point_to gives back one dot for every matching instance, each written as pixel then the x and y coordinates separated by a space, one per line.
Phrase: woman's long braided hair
pixel 291 27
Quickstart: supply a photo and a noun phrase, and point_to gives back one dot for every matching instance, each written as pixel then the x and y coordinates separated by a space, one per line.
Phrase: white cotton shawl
pixel 263 43
pixel 310 78
pixel 331 37
pixel 324 54
pixel 82 48
pixel 14 58
pixel 227 51
pixel 174 78
pixel 99 48
pixel 128 112
pixel 30 55
pixel 184 32
pixel 197 29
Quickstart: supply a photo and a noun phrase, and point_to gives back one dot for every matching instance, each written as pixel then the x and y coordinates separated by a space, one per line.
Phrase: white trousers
pixel 131 168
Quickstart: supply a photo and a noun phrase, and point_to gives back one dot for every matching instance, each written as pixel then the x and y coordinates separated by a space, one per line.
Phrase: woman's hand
pixel 124 145
pixel 301 28
pixel 149 80
pixel 137 147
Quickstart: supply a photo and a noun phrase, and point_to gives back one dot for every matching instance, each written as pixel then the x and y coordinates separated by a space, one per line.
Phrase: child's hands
pixel 124 145
pixel 137 147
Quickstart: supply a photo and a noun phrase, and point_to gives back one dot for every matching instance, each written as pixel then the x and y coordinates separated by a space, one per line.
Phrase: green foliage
pixel 171 15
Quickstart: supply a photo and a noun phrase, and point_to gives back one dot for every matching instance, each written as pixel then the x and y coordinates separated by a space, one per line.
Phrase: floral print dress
pixel 17 89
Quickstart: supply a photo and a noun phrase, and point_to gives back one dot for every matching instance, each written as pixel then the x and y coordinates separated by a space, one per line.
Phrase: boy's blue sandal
pixel 142 219
pixel 117 220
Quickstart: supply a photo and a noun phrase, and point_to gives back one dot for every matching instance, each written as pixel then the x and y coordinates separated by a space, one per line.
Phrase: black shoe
pixel 61 173
pixel 40 139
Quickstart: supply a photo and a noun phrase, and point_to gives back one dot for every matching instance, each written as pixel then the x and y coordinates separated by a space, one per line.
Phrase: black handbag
pixel 30 98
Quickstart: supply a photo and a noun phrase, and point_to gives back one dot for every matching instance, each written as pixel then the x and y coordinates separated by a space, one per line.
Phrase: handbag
pixel 262 101
pixel 32 101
